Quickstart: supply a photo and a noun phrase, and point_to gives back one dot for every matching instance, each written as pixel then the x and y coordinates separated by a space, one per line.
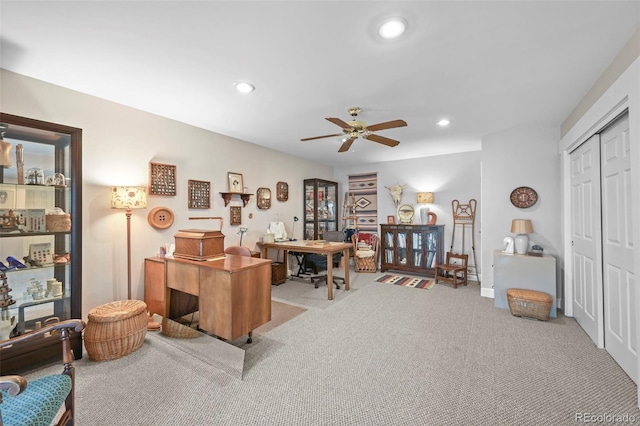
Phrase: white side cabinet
pixel 522 271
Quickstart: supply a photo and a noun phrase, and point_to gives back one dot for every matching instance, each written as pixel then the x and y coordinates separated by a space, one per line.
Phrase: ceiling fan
pixel 355 129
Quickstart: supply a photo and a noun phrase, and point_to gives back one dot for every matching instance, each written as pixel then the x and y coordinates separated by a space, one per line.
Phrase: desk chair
pixel 238 250
pixel 40 402
pixel 319 262
pixel 454 270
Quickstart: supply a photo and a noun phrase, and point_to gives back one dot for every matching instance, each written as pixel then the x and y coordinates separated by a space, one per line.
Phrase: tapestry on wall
pixel 365 189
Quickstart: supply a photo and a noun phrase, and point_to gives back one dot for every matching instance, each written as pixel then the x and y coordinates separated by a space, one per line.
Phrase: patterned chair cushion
pixel 39 404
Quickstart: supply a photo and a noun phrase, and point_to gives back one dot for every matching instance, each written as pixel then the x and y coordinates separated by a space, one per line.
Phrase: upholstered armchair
pixel 39 401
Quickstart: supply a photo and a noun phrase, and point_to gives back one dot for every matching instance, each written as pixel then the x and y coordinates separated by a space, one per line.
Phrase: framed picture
pixel 162 179
pixel 391 219
pixel 199 194
pixel 236 183
pixel 236 215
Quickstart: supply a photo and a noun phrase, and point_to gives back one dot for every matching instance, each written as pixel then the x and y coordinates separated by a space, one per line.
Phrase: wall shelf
pixel 226 196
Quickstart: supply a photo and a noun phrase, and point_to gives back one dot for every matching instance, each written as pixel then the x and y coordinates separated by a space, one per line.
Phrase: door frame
pixel 623 93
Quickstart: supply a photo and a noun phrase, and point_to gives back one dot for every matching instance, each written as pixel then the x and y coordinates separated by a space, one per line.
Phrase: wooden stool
pixel 115 329
pixel 529 303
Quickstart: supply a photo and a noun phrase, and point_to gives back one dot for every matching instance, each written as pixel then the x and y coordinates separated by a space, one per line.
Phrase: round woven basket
pixel 115 329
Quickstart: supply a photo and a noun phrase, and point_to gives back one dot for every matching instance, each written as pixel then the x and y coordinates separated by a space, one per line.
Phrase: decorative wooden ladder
pixel 349 217
pixel 464 216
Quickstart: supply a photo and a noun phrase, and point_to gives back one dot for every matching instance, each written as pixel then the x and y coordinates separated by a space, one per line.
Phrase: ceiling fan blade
pixel 387 125
pixel 382 140
pixel 320 137
pixel 347 144
pixel 340 123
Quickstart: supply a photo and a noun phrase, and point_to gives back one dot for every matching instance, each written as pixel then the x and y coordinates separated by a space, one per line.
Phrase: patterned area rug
pixel 365 189
pixel 407 281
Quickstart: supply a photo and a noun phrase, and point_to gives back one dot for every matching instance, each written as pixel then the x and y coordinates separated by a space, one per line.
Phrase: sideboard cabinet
pixel 411 248
pixel 41 277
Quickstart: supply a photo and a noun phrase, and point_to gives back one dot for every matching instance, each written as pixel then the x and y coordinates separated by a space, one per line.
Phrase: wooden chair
pixel 239 250
pixel 40 402
pixel 365 258
pixel 454 270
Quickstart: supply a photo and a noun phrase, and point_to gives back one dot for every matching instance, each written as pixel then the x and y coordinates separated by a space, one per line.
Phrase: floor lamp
pixel 128 198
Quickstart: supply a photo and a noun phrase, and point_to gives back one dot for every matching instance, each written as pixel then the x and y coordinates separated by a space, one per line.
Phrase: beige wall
pixel 118 144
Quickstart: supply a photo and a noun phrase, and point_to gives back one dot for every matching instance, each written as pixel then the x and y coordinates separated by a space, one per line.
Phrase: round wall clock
pixel 405 213
pixel 523 197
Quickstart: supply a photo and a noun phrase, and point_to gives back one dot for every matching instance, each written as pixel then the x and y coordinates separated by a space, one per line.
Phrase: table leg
pixel 330 276
pixel 345 255
pixel 250 340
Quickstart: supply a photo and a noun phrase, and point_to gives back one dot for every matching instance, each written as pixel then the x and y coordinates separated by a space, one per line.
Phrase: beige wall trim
pixel 620 63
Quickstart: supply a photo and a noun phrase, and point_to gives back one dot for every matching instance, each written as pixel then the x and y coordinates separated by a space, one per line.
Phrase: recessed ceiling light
pixel 244 87
pixel 392 28
pixel 444 122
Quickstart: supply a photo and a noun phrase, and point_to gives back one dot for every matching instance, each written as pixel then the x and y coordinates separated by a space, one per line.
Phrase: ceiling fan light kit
pixel 356 128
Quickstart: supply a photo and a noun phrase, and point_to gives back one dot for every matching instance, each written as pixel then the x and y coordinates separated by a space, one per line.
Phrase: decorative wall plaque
pixel 236 215
pixel 162 179
pixel 264 198
pixel 282 191
pixel 199 194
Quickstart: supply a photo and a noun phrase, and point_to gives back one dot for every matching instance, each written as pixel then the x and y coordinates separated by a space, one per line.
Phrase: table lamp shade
pixel 129 197
pixel 425 197
pixel 521 226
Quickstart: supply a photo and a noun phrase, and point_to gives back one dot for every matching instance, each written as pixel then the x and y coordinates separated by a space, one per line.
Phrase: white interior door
pixel 586 238
pixel 620 318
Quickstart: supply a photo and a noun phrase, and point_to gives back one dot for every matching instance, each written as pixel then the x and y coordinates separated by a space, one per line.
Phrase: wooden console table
pixel 234 293
pixel 328 249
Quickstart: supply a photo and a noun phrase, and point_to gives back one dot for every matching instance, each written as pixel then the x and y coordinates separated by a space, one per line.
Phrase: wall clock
pixel 405 214
pixel 523 197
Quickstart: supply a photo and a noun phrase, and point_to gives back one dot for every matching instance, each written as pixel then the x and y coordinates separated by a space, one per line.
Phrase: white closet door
pixel 620 318
pixel 586 238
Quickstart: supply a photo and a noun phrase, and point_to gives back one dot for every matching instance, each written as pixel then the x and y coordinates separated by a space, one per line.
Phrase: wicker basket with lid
pixel 115 329
pixel 529 303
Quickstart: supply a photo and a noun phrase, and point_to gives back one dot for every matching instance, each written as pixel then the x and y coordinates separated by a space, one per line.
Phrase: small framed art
pixel 199 194
pixel 391 219
pixel 282 191
pixel 236 215
pixel 236 183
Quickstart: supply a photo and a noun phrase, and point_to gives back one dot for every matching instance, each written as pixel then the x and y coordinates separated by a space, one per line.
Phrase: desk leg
pixel 250 340
pixel 286 262
pixel 264 253
pixel 345 255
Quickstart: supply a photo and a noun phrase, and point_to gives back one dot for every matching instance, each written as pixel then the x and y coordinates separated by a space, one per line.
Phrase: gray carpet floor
pixel 379 354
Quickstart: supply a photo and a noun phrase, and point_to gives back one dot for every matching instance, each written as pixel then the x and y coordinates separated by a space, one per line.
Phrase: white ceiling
pixel 486 66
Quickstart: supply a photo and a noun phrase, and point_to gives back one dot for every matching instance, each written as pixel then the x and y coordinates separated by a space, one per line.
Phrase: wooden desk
pixel 234 293
pixel 328 249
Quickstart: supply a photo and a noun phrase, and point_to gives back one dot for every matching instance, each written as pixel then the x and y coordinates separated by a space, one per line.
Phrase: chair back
pixel 456 259
pixel 238 250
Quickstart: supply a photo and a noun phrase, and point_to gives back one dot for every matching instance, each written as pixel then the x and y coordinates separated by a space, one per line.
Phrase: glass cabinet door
pixel 417 249
pixel 389 246
pixel 320 208
pixel 402 247
pixel 39 280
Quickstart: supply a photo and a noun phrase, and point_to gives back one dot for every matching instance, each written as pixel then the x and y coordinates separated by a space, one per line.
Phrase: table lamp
pixel 522 227
pixel 424 198
pixel 128 198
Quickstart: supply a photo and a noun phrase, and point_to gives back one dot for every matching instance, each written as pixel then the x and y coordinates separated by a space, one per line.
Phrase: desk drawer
pixel 183 277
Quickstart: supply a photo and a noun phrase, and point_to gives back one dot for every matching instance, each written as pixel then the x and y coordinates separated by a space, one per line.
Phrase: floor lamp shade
pixel 522 227
pixel 128 198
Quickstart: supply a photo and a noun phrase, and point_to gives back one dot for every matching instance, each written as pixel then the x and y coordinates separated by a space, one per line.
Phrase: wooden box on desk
pixel 199 244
